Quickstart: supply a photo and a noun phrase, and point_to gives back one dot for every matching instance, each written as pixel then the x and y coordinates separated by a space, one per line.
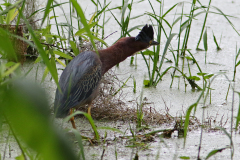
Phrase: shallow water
pixel 177 100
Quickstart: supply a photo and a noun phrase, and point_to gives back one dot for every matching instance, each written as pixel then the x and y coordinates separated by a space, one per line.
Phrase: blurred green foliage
pixel 25 109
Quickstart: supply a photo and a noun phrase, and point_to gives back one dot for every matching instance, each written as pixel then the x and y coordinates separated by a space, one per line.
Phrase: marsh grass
pixel 47 137
pixel 154 64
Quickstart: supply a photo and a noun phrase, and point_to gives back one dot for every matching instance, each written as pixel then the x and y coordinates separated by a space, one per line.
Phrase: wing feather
pixel 78 81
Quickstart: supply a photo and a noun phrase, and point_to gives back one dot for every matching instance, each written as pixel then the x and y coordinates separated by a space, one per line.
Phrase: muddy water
pixel 176 99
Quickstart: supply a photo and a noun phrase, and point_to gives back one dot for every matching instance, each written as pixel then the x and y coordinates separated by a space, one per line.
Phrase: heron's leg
pixel 89 109
pixel 72 119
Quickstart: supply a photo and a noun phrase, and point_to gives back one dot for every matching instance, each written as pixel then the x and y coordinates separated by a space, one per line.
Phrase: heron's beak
pixel 154 43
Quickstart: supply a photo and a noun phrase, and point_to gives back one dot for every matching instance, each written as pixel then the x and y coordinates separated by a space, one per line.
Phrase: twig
pixel 102 154
pixel 20 24
pixel 109 35
pixel 52 45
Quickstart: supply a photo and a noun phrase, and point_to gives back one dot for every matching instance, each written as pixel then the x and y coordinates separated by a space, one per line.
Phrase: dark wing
pixel 78 81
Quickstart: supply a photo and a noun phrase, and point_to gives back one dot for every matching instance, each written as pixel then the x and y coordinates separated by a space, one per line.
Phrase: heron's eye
pixel 150 42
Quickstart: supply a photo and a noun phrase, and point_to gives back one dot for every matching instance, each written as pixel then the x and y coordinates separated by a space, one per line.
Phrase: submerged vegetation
pixel 24 108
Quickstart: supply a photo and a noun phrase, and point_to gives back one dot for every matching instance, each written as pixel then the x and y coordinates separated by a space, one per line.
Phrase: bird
pixel 80 80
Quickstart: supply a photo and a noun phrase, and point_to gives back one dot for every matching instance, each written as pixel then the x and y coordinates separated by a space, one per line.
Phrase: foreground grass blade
pixel 84 22
pixel 79 138
pixel 26 110
pixel 89 119
pixel 10 70
pixel 6 47
pixel 11 7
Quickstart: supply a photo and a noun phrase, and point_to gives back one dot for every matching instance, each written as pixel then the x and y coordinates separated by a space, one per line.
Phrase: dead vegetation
pixel 110 104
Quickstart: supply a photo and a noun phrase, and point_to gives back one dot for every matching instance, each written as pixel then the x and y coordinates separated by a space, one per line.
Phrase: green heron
pixel 80 80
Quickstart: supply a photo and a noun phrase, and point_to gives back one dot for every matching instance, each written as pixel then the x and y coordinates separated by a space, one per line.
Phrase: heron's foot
pixel 73 123
pixel 72 119
pixel 89 110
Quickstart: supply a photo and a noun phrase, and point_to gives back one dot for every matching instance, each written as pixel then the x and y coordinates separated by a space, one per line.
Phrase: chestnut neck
pixel 119 51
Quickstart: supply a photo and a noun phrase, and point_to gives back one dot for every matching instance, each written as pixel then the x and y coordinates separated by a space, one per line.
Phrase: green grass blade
pixel 165 49
pixel 195 61
pixel 10 15
pixel 238 115
pixel 148 65
pixel 110 129
pixel 225 16
pixel 6 47
pixel 152 7
pixel 169 25
pixel 47 10
pixel 11 7
pixel 176 20
pixel 41 51
pixel 64 55
pixel 121 86
pixel 45 74
pixel 89 119
pixel 158 22
pixel 44 9
pixel 124 8
pixel 100 40
pixel 229 136
pixel 116 19
pixel 193 16
pixel 215 41
pixel 101 11
pixel 74 48
pixel 81 31
pixel 94 2
pixel 170 9
pixel 204 23
pixel 163 73
pixel 215 151
pixel 133 28
pixel 10 70
pixel 60 62
pixel 84 22
pixel 189 110
pixel 205 40
pixel 80 144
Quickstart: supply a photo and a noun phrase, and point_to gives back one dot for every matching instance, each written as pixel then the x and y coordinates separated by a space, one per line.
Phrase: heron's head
pixel 146 35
